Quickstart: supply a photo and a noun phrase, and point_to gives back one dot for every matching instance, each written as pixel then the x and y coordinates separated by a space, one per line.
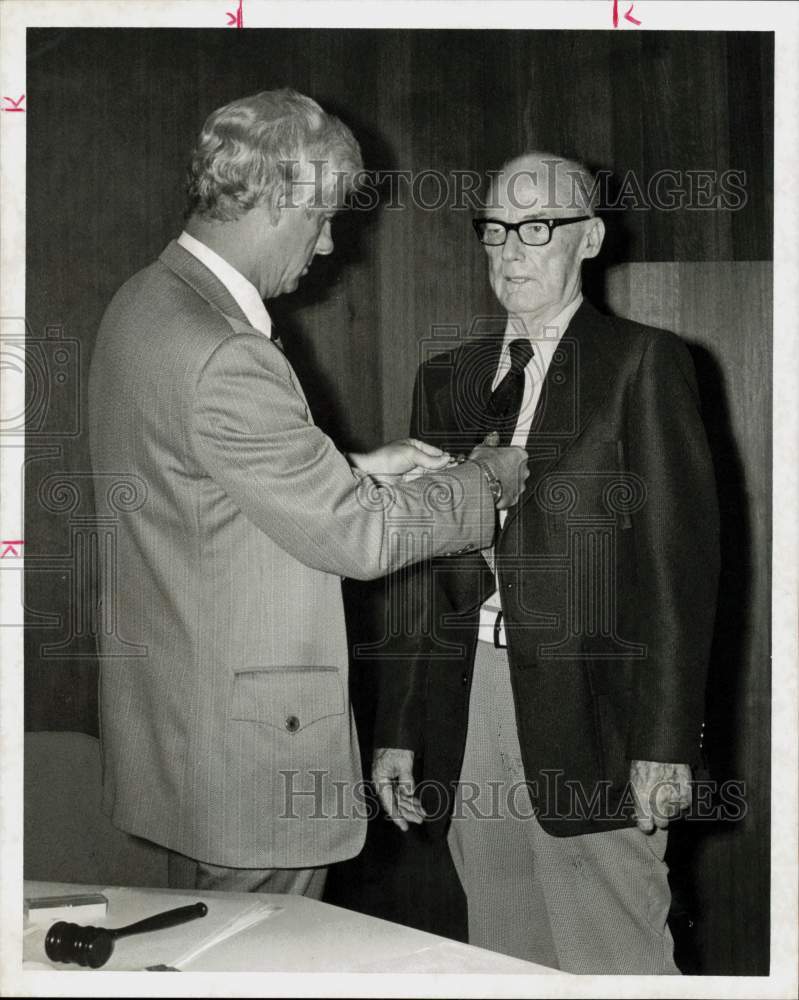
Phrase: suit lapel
pixel 187 267
pixel 575 384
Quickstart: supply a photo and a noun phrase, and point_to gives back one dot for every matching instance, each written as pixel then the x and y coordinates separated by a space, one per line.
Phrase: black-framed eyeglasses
pixel 533 232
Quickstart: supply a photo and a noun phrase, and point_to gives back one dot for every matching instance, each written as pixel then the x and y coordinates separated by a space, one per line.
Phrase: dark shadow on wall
pixel 725 717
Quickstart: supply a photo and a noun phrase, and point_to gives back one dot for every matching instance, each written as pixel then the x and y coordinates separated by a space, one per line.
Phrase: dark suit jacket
pixel 608 570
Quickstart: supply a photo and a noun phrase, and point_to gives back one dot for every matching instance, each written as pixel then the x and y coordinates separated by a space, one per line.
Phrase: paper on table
pixel 177 945
pixel 173 946
pixel 452 956
pixel 253 916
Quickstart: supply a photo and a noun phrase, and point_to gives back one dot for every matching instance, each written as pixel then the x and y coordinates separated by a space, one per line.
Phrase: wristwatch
pixel 494 485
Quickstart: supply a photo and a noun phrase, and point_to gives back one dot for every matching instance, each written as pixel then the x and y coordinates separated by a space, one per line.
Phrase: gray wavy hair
pixel 248 150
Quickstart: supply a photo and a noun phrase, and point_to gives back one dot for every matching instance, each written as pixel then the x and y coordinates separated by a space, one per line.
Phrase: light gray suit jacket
pixel 232 740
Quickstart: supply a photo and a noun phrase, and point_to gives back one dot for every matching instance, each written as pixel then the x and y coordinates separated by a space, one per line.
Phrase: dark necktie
pixel 502 411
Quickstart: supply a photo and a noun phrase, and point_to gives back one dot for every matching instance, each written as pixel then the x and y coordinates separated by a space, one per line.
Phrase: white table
pixel 303 935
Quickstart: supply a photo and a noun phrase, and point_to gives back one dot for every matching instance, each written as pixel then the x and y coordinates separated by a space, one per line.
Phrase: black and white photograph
pixel 398 453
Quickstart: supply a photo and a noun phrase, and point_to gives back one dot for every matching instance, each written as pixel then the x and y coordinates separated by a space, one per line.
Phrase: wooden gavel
pixel 93 946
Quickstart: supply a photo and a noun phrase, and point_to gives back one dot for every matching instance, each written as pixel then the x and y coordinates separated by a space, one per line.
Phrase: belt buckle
pixel 497 624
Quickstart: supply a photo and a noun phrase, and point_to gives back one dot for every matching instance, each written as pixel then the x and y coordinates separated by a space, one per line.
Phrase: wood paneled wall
pixel 112 116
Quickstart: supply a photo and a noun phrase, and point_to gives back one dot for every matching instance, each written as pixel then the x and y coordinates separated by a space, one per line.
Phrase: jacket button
pixel 292 723
pixel 464 679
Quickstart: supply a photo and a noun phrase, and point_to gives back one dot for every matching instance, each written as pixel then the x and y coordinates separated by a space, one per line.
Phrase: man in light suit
pixel 230 741
pixel 550 694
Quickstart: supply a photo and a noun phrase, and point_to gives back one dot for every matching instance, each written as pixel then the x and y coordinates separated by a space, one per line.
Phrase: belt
pixel 491 628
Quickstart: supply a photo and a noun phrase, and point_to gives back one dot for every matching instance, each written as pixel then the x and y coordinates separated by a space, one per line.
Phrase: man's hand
pixel 399 457
pixel 509 465
pixel 661 792
pixel 392 774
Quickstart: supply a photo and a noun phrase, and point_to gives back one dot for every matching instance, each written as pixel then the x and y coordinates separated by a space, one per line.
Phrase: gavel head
pixel 66 942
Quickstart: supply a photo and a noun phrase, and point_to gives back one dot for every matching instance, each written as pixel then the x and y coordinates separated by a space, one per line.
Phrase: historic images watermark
pixel 50 414
pixel 431 190
pixel 315 794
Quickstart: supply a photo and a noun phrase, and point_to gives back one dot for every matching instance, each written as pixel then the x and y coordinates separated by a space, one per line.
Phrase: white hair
pixel 248 150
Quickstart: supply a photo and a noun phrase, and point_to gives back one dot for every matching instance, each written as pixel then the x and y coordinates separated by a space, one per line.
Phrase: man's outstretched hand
pixel 392 774
pixel 410 457
pixel 661 792
pixel 398 457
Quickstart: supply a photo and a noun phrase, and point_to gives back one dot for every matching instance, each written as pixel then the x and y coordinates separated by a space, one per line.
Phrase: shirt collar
pixel 545 338
pixel 243 291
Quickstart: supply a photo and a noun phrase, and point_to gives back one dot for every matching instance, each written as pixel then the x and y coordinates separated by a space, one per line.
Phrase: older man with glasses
pixel 550 696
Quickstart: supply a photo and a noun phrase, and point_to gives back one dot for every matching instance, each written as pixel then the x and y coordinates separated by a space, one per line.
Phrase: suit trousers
pixel 593 903
pixel 186 873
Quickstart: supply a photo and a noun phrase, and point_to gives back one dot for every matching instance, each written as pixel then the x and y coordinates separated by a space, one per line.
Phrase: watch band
pixel 494 485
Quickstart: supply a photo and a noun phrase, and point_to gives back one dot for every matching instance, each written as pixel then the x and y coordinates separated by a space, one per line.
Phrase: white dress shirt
pixel 243 291
pixel 545 342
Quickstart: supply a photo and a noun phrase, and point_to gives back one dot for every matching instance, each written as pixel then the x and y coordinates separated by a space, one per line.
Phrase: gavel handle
pixel 160 921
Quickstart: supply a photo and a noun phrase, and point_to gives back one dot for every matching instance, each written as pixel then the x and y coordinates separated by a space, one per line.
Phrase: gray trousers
pixel 185 873
pixel 594 903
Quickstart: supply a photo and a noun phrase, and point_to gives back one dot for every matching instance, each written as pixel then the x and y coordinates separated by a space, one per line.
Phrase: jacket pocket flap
pixel 288 698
